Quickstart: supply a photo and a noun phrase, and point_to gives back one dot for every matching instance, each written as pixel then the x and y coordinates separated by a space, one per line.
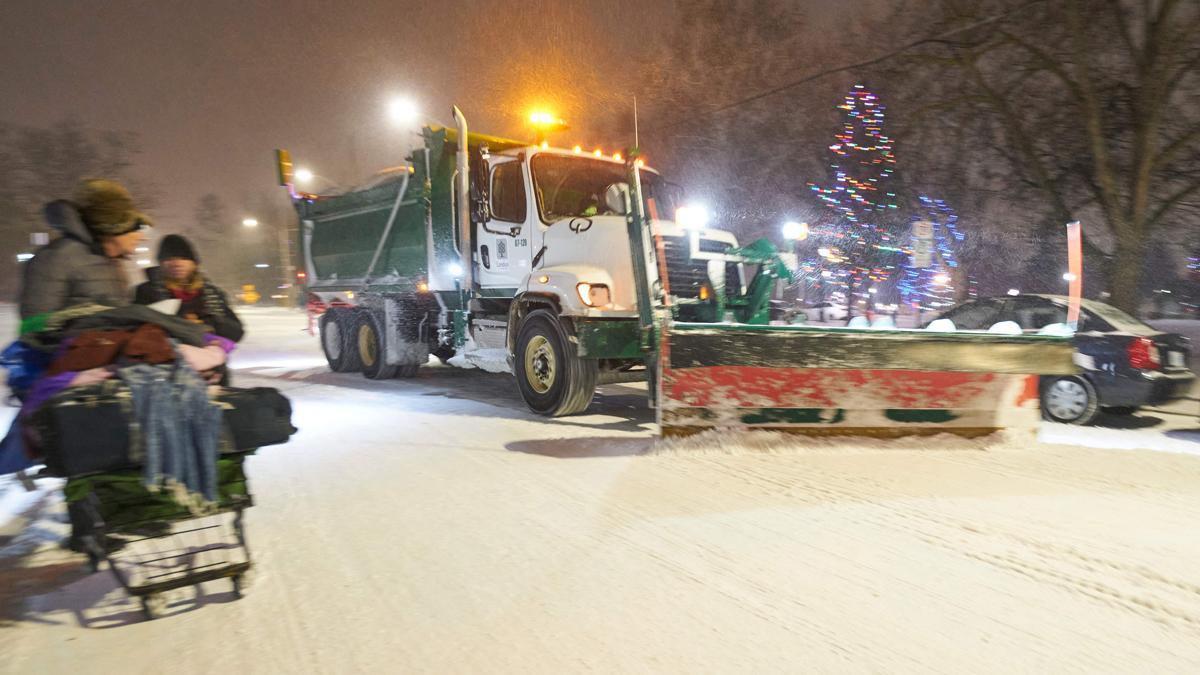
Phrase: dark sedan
pixel 1125 363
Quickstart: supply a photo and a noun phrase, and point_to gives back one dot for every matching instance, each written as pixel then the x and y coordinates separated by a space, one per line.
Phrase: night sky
pixel 213 87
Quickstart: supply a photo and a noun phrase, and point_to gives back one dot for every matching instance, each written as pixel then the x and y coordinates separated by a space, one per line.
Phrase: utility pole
pixel 285 262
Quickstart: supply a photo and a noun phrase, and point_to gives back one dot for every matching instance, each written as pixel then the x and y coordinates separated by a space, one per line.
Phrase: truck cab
pixel 551 252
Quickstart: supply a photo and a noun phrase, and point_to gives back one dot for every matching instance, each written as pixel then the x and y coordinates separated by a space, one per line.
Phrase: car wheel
pixel 1069 400
pixel 337 341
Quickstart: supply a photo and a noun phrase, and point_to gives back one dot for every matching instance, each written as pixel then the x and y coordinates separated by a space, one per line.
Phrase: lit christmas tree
pixel 862 248
pixel 864 254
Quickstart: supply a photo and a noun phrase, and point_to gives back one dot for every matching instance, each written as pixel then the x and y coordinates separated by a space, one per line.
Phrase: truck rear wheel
pixel 338 343
pixel 371 349
pixel 552 378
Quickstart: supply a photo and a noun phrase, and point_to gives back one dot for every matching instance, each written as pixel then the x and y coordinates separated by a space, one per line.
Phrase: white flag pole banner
pixel 922 235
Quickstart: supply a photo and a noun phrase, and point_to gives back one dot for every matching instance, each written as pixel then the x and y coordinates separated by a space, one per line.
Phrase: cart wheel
pixel 153 606
pixel 237 586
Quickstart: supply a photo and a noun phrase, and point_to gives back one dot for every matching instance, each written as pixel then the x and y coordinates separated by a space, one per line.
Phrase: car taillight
pixel 1143 354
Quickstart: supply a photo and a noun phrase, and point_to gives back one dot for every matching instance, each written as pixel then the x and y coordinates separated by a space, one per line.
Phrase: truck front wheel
pixel 338 342
pixel 552 378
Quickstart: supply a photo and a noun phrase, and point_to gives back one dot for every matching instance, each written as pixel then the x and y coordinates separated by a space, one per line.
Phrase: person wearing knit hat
pixel 100 230
pixel 178 277
pixel 106 208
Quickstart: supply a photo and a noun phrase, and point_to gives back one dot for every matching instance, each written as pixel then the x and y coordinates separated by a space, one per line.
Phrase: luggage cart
pixel 153 545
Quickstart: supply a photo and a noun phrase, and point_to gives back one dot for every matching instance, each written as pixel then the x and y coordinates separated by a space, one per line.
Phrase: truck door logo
pixel 501 254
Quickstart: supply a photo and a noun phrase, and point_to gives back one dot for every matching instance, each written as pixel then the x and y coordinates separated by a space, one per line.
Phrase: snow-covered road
pixel 434 525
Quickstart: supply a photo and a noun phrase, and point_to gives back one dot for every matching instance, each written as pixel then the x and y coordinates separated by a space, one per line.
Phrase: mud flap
pixel 852 382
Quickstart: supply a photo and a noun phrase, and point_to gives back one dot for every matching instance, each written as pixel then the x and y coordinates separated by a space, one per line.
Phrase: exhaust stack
pixel 462 190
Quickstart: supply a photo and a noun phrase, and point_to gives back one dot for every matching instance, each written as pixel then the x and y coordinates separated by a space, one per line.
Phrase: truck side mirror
pixel 481 211
pixel 616 198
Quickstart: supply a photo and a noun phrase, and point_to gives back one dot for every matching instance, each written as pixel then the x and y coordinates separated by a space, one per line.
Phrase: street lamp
pixel 404 111
pixel 304 175
pixel 283 242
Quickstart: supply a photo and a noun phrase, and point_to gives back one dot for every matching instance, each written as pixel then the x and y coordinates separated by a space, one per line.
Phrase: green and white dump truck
pixel 494 246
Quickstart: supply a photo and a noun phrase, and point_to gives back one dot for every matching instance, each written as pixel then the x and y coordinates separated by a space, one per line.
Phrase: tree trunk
pixel 1126 274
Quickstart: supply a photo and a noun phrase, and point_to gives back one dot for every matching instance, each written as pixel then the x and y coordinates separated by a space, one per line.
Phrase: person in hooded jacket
pixel 100 230
pixel 178 277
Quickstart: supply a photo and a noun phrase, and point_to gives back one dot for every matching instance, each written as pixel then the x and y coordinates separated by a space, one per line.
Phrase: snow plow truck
pixel 578 269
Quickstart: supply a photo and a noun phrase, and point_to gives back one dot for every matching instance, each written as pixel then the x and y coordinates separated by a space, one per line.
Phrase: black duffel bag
pixel 87 430
pixel 256 417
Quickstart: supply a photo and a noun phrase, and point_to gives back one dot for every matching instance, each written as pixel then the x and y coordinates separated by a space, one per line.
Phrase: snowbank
pixel 487 360
pixel 1179 441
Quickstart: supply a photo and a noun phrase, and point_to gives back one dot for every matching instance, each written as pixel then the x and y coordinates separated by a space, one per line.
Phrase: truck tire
pixel 551 377
pixel 372 349
pixel 338 343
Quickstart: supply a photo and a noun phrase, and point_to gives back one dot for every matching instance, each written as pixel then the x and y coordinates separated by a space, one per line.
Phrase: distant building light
pixel 1014 291
pixel 1069 277
pixel 24 257
pixel 262 266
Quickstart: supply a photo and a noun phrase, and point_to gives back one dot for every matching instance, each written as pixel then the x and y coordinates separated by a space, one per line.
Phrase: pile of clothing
pixel 108 389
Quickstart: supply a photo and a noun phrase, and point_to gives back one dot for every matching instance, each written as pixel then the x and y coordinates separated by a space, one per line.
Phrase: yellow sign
pixel 249 294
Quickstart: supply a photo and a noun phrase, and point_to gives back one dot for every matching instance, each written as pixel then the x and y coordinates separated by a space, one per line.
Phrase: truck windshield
pixel 572 187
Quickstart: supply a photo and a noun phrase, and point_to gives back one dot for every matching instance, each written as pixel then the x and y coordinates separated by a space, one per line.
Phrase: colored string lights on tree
pixel 864 243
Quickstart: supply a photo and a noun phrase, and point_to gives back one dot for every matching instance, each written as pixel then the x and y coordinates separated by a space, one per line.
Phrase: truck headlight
pixel 594 295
